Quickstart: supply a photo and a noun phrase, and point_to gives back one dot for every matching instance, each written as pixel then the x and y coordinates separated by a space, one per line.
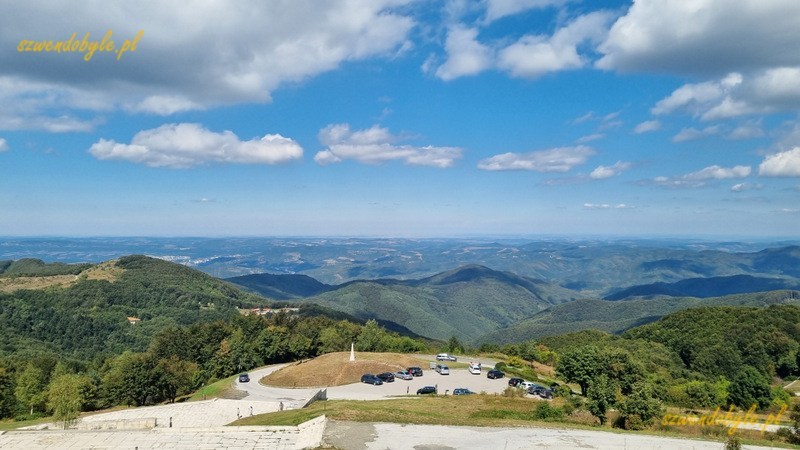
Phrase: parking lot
pixel 458 378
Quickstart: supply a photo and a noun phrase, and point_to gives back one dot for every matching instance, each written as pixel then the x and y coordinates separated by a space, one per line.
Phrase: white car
pixel 445 357
pixel 442 369
pixel 475 368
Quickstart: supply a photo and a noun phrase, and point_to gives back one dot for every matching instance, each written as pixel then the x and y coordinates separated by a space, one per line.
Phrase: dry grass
pixel 105 271
pixel 11 284
pixel 339 370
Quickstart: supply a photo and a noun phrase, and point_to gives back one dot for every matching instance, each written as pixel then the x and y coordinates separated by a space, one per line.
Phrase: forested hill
pixel 720 340
pixel 84 309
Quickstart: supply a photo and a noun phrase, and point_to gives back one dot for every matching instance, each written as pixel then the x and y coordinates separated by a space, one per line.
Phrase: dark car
pixel 541 391
pixel 515 381
pixel 415 371
pixel 462 391
pixel 494 373
pixel 426 390
pixel 386 377
pixel 371 379
pixel 244 378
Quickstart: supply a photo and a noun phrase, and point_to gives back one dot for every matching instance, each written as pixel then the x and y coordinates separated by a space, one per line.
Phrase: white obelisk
pixel 352 352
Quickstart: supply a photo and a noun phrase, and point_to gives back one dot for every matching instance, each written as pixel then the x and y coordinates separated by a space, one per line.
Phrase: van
pixel 442 369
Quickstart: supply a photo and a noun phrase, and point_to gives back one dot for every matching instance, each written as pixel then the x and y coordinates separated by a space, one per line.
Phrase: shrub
pixel 733 443
pixel 513 392
pixel 545 411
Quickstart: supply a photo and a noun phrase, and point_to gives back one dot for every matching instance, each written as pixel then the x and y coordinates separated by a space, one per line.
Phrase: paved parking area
pixel 458 378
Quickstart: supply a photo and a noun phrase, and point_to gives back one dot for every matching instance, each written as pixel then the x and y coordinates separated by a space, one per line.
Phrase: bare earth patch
pixel 336 369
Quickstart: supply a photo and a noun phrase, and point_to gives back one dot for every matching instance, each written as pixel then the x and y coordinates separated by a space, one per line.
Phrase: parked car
pixel 541 391
pixel 443 369
pixel 371 379
pixel 515 381
pixel 462 391
pixel 494 373
pixel 386 377
pixel 475 368
pixel 403 375
pixel 527 385
pixel 445 357
pixel 244 378
pixel 426 390
pixel 415 371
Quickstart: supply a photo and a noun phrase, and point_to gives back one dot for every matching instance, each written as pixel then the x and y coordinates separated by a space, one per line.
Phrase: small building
pixel 266 311
pixel 134 320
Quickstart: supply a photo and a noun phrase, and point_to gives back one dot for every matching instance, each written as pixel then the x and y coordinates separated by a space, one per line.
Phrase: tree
pixel 454 345
pixel 581 365
pixel 640 408
pixel 134 378
pixel 749 387
pixel 371 337
pixel 65 398
pixel 7 398
pixel 602 396
pixel 31 390
pixel 178 377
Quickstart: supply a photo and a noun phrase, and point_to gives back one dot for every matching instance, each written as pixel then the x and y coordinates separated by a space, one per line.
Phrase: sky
pixel 400 118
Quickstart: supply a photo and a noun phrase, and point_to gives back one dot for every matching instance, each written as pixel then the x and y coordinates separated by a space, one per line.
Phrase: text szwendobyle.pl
pixel 731 419
pixel 87 46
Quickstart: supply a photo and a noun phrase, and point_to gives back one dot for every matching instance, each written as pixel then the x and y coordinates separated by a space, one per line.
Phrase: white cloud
pixel 3 145
pixel 701 177
pixel 534 55
pixel 590 138
pixel 603 172
pixel 465 55
pixel 182 63
pixel 748 130
pixel 693 134
pixel 561 159
pixel 375 145
pixel 496 9
pixel 703 36
pixel 647 126
pixel 607 206
pixel 185 145
pixel 742 187
pixel 719 173
pixel 782 164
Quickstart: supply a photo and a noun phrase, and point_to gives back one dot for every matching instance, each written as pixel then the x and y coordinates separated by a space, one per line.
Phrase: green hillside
pixel 466 302
pixel 89 315
pixel 618 316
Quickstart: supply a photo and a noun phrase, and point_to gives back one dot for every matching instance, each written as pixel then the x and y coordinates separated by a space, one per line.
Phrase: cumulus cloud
pixel 250 51
pixel 530 56
pixel 647 126
pixel 781 164
pixel 185 145
pixel 376 145
pixel 561 159
pixel 534 55
pixel 466 56
pixel 3 145
pixel 701 177
pixel 603 172
pixel 706 37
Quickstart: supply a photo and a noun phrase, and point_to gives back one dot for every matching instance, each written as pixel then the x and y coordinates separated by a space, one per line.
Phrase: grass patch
pixel 218 389
pixel 474 410
pixel 8 425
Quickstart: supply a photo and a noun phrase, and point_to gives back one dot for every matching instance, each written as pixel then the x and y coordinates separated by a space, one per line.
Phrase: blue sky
pixel 402 118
